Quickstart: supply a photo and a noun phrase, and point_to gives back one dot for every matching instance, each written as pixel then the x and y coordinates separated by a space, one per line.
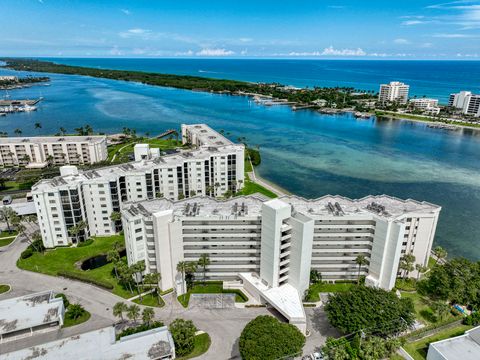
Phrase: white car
pixel 314 356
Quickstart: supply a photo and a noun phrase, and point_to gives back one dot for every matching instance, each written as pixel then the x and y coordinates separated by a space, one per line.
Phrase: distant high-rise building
pixel 394 92
pixel 467 102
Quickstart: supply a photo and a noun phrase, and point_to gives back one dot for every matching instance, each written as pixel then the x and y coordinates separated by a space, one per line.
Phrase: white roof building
pixel 101 345
pixel 463 347
pixel 23 316
pixel 394 92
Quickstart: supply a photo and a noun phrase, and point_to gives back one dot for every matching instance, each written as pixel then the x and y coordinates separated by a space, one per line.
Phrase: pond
pixel 98 261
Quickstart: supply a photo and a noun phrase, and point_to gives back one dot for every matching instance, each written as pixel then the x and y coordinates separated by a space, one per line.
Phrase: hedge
pixel 85 278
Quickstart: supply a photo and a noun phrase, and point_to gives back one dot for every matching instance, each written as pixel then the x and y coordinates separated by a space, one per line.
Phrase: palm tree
pixel 441 253
pixel 75 311
pixel 204 261
pixel 118 309
pixel 38 125
pixel 6 214
pixel 133 312
pixel 182 267
pixel 420 269
pixel 360 260
pixel 77 229
pixel 63 131
pixel 17 131
pixel 137 270
pixel 113 257
pixel 407 262
pixel 147 315
pixel 115 216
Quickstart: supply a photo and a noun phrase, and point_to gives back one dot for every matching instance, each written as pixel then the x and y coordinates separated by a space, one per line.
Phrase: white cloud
pixel 137 32
pixel 426 45
pixel 244 52
pixel 126 11
pixel 453 36
pixel 115 51
pixel 401 41
pixel 184 53
pixel 331 51
pixel 214 52
pixel 245 39
pixel 412 22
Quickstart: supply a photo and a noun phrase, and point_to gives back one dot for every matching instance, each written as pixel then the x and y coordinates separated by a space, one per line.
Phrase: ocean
pixel 305 152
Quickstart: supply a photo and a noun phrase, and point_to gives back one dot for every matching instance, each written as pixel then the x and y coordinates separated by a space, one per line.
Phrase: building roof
pixel 250 206
pixel 101 344
pixel 463 347
pixel 22 208
pixel 30 311
pixel 111 173
pixel 284 298
pixel 207 135
pixel 52 139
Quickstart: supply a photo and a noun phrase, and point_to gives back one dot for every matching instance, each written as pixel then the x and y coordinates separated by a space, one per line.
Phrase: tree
pixel 204 261
pixel 440 309
pixel 63 131
pixel 114 257
pixel 153 280
pixel 6 214
pixel 267 338
pixel 17 131
pixel 380 311
pixel 118 309
pixel 315 277
pixel 137 270
pixel 440 252
pixel 182 268
pixel 407 262
pixel 75 311
pixel 115 216
pixel 133 312
pixel 38 125
pixel 361 261
pixel 147 315
pixel 77 229
pixel 183 334
pixel 420 269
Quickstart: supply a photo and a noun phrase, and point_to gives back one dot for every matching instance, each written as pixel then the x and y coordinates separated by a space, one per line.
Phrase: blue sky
pixel 405 29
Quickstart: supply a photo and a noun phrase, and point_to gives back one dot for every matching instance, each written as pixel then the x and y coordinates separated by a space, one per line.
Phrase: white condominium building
pixel 281 239
pixel 393 92
pixel 37 152
pixel 272 246
pixel 212 169
pixel 467 102
pixel 426 105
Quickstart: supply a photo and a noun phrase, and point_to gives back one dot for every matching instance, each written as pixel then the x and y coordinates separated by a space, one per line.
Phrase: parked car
pixel 7 200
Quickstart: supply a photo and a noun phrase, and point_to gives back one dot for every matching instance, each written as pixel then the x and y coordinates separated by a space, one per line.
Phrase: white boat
pixel 29 108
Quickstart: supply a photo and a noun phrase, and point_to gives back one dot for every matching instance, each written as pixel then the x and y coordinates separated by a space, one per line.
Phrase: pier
pixel 168 132
pixel 20 102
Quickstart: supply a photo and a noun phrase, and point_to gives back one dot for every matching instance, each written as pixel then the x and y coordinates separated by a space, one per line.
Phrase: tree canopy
pixel 183 334
pixel 457 280
pixel 266 338
pixel 374 311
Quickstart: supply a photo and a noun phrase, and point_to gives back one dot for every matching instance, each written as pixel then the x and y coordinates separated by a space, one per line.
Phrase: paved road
pixel 223 325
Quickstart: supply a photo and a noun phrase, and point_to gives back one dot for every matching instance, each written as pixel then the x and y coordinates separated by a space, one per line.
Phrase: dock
pixel 168 132
pixel 20 102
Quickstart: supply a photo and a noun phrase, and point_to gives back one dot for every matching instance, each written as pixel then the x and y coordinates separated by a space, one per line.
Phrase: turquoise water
pixel 307 153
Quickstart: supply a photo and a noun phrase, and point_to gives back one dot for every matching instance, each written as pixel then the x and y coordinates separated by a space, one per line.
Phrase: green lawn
pixel 67 322
pixel 151 300
pixel 64 259
pixel 422 307
pixel 315 289
pixel 4 288
pixel 6 237
pixel 211 287
pixel 122 156
pixel 418 349
pixel 251 188
pixel 202 343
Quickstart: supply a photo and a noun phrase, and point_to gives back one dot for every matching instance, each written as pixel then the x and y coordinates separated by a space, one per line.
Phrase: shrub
pixel 473 319
pixel 140 328
pixel 64 298
pixel 86 279
pixel 183 333
pixel 26 253
pixel 254 156
pixel 267 338
pixel 85 243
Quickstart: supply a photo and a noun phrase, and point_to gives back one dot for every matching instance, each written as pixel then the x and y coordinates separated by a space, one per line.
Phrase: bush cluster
pixel 140 328
pixel 86 279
